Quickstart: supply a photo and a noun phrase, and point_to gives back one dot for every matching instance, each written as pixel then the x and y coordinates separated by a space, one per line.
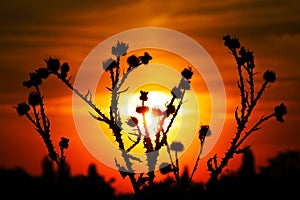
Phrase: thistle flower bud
pixel 42 72
pixel 231 43
pixel 27 84
pixel 64 143
pixel 65 67
pixel 120 49
pixel 165 168
pixel 177 146
pixel 204 131
pixel 34 98
pixel 280 111
pixel 53 64
pixel 187 73
pixel 35 79
pixel 269 76
pixel 22 108
pixel 144 96
pixel 145 58
pixel 142 109
pixel 132 121
pixel 133 61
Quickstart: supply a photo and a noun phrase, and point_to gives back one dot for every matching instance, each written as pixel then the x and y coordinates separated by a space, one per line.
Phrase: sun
pixel 158 98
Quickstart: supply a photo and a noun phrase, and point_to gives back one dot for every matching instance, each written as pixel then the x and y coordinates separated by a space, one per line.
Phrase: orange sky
pixel 31 31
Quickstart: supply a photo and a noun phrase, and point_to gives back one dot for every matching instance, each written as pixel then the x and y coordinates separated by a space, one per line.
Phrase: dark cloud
pixel 258 17
pixel 50 11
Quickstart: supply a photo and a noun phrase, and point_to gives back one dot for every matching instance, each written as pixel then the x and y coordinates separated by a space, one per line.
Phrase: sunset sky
pixel 32 31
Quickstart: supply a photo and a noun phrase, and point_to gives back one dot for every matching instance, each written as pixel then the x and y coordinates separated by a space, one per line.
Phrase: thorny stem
pixel 251 83
pixel 147 139
pixel 137 141
pixel 37 121
pixel 45 124
pixel 177 165
pixel 173 117
pixel 164 139
pixel 241 85
pixel 112 77
pixel 131 172
pixel 254 128
pixel 88 101
pixel 44 133
pixel 114 121
pixel 117 70
pixel 233 148
pixel 196 165
pixel 31 120
pixel 112 124
pixel 251 107
pixel 62 157
pixel 114 117
pixel 149 149
pixel 175 169
pixel 237 140
pixel 158 133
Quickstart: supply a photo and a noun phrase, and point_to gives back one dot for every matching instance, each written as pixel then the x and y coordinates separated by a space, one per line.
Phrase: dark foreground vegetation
pixel 280 178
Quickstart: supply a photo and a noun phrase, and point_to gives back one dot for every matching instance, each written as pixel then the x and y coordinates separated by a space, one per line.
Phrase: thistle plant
pixel 34 111
pixel 140 133
pixel 249 99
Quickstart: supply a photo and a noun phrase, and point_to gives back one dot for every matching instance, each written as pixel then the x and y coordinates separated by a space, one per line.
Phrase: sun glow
pixel 157 101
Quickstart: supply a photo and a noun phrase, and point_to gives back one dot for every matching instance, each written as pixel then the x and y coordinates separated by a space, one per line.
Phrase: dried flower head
pixel 133 61
pixel 34 98
pixel 165 168
pixel 64 143
pixel 142 109
pixel 187 73
pixel 144 95
pixel 34 80
pixel 231 43
pixel 145 58
pixel 269 76
pixel 177 146
pixel 42 72
pixel 132 121
pixel 280 111
pixel 53 64
pixel 120 49
pixel 157 112
pixel 27 84
pixel 109 64
pixel 246 56
pixel 22 108
pixel 204 131
pixel 65 68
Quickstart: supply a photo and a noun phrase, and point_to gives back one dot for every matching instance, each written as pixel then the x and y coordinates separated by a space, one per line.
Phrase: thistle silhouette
pixel 34 110
pixel 249 99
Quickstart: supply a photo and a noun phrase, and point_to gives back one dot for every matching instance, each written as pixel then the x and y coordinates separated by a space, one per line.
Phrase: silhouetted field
pixel 280 178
